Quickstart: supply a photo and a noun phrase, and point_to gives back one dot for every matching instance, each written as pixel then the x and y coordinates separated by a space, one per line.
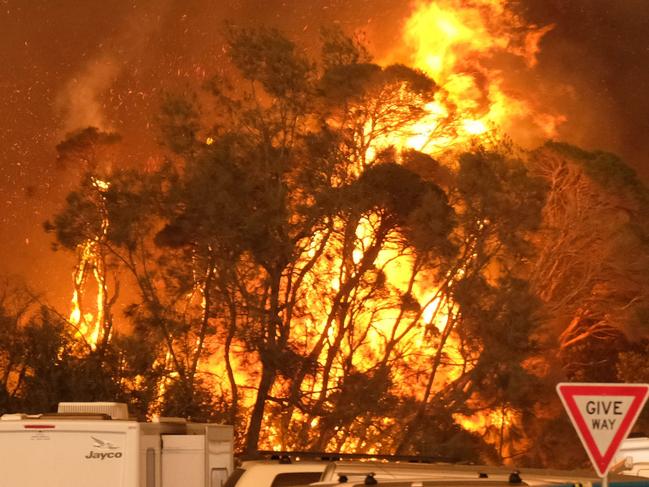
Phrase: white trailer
pixel 95 444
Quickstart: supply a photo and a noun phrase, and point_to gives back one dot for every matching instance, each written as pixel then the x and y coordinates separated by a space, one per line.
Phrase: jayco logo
pixel 102 455
pixel 103 445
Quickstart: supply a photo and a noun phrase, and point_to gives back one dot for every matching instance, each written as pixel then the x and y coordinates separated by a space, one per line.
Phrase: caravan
pixel 97 444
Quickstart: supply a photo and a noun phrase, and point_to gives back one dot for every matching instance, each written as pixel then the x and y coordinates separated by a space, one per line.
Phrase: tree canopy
pixel 291 269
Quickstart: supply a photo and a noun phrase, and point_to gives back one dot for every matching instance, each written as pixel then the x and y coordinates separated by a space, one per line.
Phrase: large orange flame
pixel 90 324
pixel 465 46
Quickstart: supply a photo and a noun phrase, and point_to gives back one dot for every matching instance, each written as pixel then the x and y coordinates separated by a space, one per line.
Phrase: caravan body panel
pixel 69 453
pixel 64 452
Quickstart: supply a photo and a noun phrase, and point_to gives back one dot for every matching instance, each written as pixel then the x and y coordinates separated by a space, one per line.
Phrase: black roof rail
pixel 331 456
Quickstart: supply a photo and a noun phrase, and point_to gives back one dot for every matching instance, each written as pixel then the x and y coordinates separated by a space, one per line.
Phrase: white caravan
pixel 96 444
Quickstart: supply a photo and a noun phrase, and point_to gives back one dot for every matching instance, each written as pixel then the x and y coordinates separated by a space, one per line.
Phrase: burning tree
pixel 345 255
pixel 295 234
pixel 297 187
pixel 87 151
pixel 593 289
pixel 16 305
pixel 44 360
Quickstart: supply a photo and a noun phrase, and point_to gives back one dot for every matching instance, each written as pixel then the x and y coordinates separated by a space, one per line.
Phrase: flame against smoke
pixel 456 43
pixel 462 45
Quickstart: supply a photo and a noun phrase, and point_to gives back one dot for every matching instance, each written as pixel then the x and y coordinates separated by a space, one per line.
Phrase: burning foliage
pixel 346 255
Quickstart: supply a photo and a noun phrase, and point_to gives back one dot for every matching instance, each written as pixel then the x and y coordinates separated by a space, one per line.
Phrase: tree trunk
pixel 257 416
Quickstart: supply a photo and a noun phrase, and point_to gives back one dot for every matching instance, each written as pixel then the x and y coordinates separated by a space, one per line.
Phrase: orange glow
pixel 454 42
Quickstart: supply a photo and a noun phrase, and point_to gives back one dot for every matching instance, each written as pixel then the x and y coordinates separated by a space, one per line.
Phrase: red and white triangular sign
pixel 603 415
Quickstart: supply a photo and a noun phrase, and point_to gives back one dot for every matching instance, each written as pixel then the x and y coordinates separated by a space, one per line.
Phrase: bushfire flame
pixel 458 43
pixel 91 325
pixel 462 45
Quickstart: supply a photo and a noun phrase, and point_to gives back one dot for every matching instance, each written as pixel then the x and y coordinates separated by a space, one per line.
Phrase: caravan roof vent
pixel 116 410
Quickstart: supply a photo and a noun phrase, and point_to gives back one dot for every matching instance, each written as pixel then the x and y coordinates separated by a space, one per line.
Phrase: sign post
pixel 603 415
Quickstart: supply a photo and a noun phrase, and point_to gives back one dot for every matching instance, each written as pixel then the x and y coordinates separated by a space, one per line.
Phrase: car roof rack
pixel 332 457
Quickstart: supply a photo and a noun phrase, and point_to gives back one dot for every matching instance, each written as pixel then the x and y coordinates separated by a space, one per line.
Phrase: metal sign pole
pixel 605 480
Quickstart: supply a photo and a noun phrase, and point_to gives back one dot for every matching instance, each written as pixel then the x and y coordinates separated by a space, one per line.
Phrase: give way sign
pixel 603 415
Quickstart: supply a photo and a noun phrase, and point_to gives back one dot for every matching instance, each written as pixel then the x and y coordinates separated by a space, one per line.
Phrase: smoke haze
pixel 69 64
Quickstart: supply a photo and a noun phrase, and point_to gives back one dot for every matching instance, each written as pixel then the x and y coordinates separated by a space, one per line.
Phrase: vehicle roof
pixel 467 483
pixel 467 473
pixel 256 473
pixel 433 474
pixel 450 471
pixel 422 482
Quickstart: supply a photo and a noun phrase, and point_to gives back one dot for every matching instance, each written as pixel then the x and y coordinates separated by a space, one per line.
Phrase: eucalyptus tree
pixel 111 220
pixel 590 270
pixel 291 263
pixel 278 183
pixel 492 314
